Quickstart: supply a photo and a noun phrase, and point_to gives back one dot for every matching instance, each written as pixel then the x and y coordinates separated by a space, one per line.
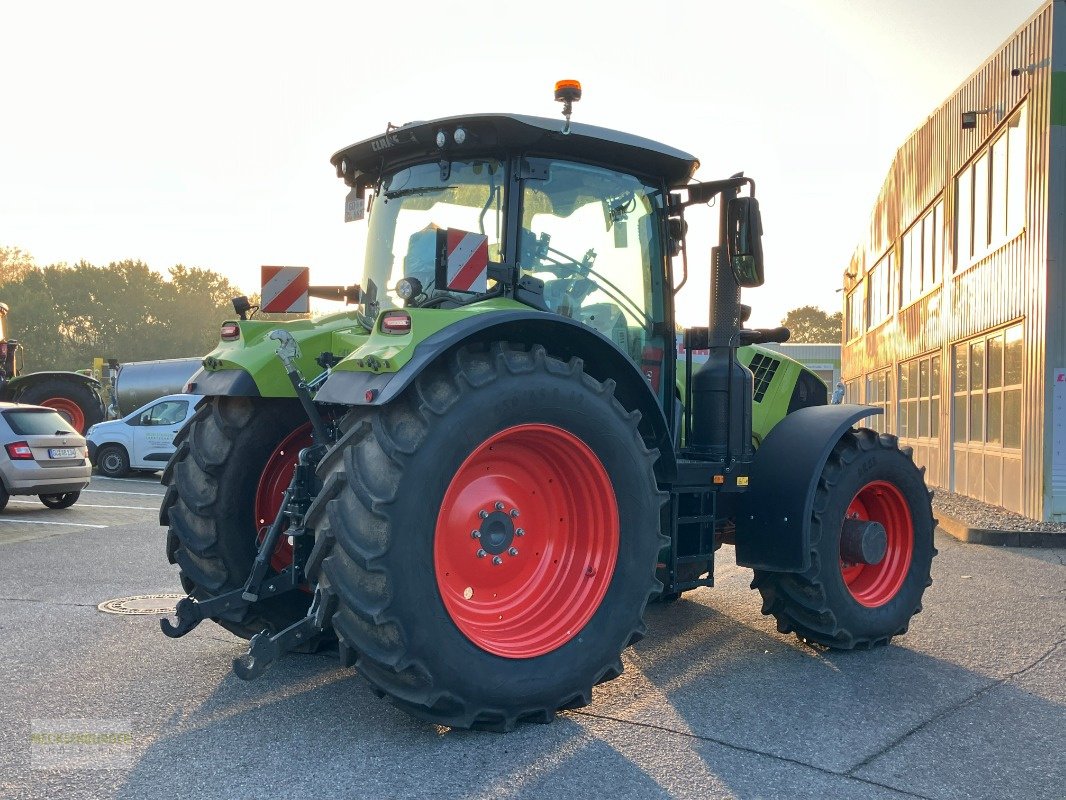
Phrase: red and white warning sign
pixel 285 290
pixel 466 260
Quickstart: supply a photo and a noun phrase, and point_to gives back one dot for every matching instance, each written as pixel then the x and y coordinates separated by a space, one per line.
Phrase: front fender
pixel 774 514
pixel 562 337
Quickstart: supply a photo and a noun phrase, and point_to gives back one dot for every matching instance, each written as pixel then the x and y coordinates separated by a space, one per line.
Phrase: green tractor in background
pixel 478 478
pixel 76 397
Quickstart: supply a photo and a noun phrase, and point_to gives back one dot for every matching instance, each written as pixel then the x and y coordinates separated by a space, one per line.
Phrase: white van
pixel 143 439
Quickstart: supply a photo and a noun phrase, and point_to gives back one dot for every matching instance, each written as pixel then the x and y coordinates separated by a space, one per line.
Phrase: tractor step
pixel 693 513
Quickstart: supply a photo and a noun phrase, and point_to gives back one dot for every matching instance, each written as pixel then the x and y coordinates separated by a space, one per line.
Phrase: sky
pixel 200 133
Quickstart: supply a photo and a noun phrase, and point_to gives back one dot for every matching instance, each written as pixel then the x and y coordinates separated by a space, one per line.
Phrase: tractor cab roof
pixel 363 161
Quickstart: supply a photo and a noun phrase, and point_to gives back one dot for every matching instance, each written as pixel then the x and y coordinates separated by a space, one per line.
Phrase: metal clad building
pixel 955 303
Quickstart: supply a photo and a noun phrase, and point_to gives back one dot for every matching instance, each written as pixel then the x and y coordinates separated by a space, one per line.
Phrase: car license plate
pixel 62 452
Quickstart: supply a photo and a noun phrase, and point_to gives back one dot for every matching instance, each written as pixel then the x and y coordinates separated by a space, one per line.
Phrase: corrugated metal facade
pixel 1008 285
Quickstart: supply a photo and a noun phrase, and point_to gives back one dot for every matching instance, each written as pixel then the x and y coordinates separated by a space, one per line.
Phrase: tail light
pixel 230 332
pixel 396 322
pixel 19 451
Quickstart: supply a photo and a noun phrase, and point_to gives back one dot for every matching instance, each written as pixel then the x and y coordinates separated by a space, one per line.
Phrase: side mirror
pixel 744 241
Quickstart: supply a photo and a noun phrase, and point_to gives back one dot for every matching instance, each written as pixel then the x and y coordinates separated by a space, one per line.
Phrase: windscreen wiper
pixel 417 190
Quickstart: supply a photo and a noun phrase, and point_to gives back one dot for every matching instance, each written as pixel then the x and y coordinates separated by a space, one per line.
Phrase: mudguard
pixel 22 382
pixel 774 515
pixel 229 382
pixel 564 338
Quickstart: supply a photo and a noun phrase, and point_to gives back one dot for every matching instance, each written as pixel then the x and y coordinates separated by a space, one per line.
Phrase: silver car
pixel 41 454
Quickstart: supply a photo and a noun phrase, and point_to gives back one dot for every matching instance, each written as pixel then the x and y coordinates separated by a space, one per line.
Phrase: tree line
pixel 64 316
pixel 67 315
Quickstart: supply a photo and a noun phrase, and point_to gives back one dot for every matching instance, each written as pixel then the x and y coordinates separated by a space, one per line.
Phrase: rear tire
pixel 845 606
pixel 76 402
pixel 209 505
pixel 65 500
pixel 112 461
pixel 394 546
pixel 4 497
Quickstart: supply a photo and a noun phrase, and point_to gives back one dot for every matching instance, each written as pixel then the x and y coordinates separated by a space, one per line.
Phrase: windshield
pixel 411 206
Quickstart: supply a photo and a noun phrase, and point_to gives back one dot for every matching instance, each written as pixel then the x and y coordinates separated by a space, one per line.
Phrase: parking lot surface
pixel 714 702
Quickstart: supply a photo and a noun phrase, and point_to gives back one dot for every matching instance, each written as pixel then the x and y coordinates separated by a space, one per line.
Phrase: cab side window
pixel 592 236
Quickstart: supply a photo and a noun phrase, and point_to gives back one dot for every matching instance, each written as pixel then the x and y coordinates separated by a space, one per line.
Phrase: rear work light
pixel 230 332
pixel 19 451
pixel 396 322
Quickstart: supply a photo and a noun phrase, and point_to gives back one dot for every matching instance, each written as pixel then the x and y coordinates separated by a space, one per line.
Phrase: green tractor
pixel 77 398
pixel 476 480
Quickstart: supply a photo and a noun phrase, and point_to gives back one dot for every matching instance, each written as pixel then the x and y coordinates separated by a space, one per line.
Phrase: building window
pixel 919 398
pixel 853 391
pixel 879 394
pixel 853 307
pixel 880 291
pixel 987 388
pixel 990 194
pixel 923 254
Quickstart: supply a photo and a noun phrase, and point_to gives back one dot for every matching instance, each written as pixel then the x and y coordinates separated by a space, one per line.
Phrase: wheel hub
pixel 496 533
pixel 863 541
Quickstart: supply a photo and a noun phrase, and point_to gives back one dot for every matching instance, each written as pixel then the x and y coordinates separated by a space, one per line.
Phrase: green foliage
pixel 14 264
pixel 812 325
pixel 64 316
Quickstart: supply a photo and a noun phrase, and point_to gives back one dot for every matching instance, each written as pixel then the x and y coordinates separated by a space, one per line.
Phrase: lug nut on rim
pixel 499 505
pixel 481 554
pixel 483 513
pixel 475 534
pixel 520 532
pixel 514 512
pixel 513 551
pixel 497 560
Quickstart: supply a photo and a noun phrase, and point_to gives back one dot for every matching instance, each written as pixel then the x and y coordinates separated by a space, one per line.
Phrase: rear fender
pixel 562 337
pixel 774 515
pixel 249 367
pixel 16 386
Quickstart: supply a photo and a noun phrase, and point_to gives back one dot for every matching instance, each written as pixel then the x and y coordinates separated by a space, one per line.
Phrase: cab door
pixel 154 432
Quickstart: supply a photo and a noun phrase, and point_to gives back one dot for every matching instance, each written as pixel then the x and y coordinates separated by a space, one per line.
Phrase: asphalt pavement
pixel 971 703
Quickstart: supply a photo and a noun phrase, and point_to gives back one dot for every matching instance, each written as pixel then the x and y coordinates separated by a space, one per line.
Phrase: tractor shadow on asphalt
pixel 713 701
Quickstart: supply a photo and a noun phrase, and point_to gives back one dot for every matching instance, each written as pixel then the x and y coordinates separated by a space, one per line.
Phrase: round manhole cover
pixel 157 604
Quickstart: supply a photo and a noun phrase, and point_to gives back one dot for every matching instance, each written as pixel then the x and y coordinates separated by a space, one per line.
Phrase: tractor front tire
pixel 845 605
pixel 213 483
pixel 486 543
pixel 75 402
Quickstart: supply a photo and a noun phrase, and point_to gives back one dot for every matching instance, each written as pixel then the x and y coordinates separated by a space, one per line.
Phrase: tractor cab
pixel 467 209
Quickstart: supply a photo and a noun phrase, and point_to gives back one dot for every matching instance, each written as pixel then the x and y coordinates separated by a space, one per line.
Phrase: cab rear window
pixel 34 422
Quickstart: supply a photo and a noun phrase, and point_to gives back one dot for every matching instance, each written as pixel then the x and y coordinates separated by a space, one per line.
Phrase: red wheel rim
pixel 873 585
pixel 68 409
pixel 530 592
pixel 271 490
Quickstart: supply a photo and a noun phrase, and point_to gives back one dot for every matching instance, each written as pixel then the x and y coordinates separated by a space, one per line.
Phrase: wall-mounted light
pixel 969 118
